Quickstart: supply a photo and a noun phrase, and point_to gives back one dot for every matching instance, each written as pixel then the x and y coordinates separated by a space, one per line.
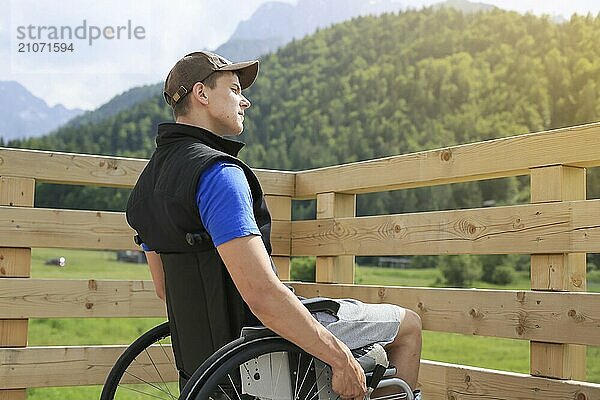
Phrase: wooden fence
pixel 558 228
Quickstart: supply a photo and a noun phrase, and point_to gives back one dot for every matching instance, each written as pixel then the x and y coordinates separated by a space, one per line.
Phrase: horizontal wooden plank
pixel 561 317
pixel 543 316
pixel 88 169
pixel 276 183
pixel 77 365
pixel 524 229
pixel 89 365
pixel 43 227
pixel 70 168
pixel 575 146
pixel 57 298
pixel 443 381
pixel 77 229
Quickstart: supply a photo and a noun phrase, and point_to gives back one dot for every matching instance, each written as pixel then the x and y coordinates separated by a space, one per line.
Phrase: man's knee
pixel 411 325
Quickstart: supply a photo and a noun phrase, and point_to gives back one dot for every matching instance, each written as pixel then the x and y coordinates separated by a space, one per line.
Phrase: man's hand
pixel 349 380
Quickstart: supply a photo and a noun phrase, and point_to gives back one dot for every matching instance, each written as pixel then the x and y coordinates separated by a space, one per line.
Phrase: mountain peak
pixel 22 114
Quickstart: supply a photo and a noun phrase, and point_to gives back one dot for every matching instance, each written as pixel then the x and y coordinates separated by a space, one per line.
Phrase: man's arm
pixel 157 272
pixel 280 310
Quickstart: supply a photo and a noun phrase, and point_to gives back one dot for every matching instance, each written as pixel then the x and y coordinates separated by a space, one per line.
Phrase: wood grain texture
pixel 71 168
pixel 88 169
pixel 578 146
pixel 15 262
pixel 524 229
pixel 13 332
pixel 340 269
pixel 16 192
pixel 88 365
pixel 558 360
pixel 557 183
pixel 57 298
pixel 75 365
pixel 551 317
pixel 76 229
pixel 43 227
pixel 558 272
pixel 280 207
pixel 443 381
pixel 13 394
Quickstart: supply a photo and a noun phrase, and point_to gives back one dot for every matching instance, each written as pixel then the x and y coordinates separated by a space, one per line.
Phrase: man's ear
pixel 198 91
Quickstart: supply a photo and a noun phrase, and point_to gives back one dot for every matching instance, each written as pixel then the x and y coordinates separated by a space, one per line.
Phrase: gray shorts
pixel 358 324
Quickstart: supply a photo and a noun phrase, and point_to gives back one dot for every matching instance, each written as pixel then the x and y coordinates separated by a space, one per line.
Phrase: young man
pixel 201 217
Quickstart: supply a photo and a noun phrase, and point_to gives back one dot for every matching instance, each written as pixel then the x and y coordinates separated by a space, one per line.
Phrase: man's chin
pixel 236 132
pixel 239 131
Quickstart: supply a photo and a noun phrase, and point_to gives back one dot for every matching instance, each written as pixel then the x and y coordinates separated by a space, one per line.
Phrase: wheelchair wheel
pixel 263 368
pixel 269 368
pixel 145 370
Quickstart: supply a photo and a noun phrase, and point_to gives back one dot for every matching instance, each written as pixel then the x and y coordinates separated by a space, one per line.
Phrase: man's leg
pixel 405 351
pixel 358 324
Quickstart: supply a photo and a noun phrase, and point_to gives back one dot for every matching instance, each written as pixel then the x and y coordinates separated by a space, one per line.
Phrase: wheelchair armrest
pixel 317 304
pixel 255 332
pixel 313 305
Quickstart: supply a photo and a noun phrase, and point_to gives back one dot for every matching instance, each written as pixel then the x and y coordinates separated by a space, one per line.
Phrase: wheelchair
pixel 258 365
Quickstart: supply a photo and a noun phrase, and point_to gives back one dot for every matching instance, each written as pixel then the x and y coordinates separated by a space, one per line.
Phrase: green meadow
pixel 502 354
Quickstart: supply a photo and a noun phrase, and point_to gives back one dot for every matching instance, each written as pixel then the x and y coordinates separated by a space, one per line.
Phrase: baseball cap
pixel 197 66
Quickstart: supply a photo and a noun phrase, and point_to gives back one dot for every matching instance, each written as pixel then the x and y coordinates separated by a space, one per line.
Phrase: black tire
pixel 129 369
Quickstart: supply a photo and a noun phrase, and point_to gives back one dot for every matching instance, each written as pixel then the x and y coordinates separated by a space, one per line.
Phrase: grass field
pixel 503 354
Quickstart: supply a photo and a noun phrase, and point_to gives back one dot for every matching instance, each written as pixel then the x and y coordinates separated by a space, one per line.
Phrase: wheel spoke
pixel 165 352
pixel 305 375
pixel 316 394
pixel 224 392
pixel 314 384
pixel 141 391
pixel 297 376
pixel 145 381
pixel 278 374
pixel 158 372
pixel 233 386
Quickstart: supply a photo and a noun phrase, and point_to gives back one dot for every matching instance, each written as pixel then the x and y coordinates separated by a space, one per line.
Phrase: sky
pixel 127 43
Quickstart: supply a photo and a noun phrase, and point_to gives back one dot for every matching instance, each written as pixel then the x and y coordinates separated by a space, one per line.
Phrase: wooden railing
pixel 558 228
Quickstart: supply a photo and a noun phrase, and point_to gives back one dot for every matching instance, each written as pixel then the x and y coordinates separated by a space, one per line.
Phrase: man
pixel 201 217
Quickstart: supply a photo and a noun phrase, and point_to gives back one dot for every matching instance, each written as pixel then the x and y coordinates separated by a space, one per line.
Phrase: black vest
pixel 205 309
pixel 162 206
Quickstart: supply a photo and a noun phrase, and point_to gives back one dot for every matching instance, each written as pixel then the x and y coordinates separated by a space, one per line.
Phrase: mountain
pixel 117 104
pixel 274 24
pixel 24 115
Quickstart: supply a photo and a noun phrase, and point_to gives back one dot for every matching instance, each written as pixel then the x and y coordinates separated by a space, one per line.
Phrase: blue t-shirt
pixel 225 203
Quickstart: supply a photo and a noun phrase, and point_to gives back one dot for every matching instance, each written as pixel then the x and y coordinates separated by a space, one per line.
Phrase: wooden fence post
pixel 338 269
pixel 15 262
pixel 558 272
pixel 280 208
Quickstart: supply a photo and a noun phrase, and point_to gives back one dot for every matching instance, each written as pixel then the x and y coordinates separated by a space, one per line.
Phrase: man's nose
pixel 245 102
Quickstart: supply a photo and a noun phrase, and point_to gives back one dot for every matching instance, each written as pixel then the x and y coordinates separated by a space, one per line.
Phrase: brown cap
pixel 197 66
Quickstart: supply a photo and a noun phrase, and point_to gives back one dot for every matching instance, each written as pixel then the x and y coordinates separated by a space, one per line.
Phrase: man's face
pixel 226 105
